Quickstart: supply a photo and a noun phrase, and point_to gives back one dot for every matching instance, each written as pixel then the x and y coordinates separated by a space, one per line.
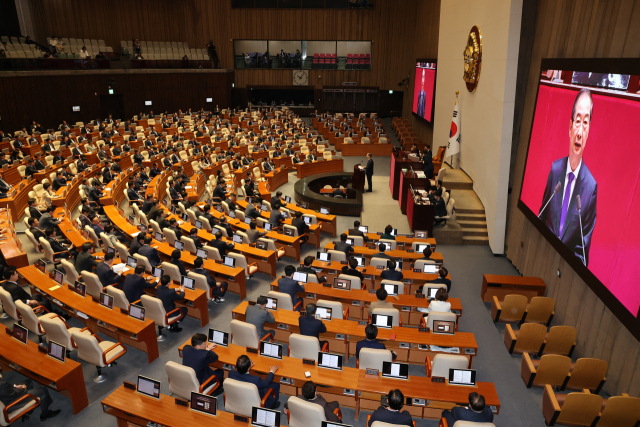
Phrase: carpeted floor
pixel 520 406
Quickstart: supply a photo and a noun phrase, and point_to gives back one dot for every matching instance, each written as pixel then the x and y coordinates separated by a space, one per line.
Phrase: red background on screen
pixel 612 153
pixel 429 85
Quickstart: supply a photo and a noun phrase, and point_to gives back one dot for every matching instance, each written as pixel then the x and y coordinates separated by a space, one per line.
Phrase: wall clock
pixel 300 77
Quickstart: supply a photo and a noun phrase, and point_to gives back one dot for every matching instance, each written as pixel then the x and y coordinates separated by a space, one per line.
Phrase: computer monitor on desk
pixel 204 404
pixel 57 351
pixel 201 253
pixel 323 313
pixel 430 268
pixel 323 256
pixel 20 333
pixel 300 277
pixel 272 303
pixel 466 377
pixel 270 350
pixel 229 261
pixel 132 262
pixel 262 417
pixel 188 282
pixel 106 300
pixel 344 284
pixel 178 245
pixel 382 321
pixel 148 387
pixel 395 370
pixel 219 337
pixel 421 247
pixel 392 290
pixel 330 361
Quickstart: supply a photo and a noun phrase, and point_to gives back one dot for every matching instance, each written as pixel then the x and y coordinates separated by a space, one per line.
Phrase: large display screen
pixel 581 181
pixel 424 89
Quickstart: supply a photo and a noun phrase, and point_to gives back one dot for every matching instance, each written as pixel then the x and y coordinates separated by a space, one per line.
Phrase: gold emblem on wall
pixel 473 59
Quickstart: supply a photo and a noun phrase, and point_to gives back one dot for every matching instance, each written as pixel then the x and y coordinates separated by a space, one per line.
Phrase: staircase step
pixel 469 211
pixel 475 240
pixel 475 232
pixel 470 216
pixel 472 224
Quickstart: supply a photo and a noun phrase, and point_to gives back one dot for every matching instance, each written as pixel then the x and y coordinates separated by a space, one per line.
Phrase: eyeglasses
pixel 584 123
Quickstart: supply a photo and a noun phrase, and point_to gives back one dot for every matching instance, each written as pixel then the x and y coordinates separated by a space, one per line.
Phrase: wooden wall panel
pixel 575 29
pixel 48 98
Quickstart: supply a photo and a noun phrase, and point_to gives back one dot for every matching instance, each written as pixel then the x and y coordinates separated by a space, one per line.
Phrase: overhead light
pixel 390 92
pixel 110 91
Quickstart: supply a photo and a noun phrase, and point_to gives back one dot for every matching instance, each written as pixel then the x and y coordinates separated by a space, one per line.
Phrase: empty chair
pixel 154 310
pixel 26 404
pixel 552 369
pixel 356 283
pixel 540 310
pixel 577 409
pixel 245 334
pixel 119 297
pixel 100 353
pixel 241 261
pixel 284 300
pixel 391 245
pixel 394 312
pixel 587 373
pixel 93 284
pixel 335 306
pixel 620 411
pixel 304 347
pixel 560 340
pixel 303 413
pixel 30 320
pixel 394 282
pixel 441 363
pixel 371 358
pixel 57 330
pixel 240 397
pixel 511 310
pixel 375 262
pixel 337 256
pixel 529 338
pixel 271 246
pixel 183 381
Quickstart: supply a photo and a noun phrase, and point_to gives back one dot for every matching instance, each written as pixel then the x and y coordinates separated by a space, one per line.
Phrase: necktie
pixel 565 202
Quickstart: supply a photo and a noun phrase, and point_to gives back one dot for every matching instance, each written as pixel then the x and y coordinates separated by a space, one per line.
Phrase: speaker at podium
pixel 357 179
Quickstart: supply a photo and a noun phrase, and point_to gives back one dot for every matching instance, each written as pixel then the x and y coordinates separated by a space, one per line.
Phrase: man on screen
pixel 421 97
pixel 569 178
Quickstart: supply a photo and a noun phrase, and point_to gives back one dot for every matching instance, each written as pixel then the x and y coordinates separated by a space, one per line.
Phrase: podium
pixel 357 179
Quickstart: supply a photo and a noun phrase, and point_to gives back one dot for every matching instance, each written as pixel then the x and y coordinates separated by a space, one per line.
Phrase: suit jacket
pixel 350 272
pixel 168 297
pixel 344 247
pixel 392 275
pixel 47 221
pixel 464 414
pixel 34 212
pixel 151 254
pixel 199 361
pixel 85 262
pixel 302 226
pixel 9 394
pixel 440 209
pixel 374 344
pixel 257 316
pixel 106 275
pixel 134 287
pixel 288 286
pixel 354 232
pixel 391 417
pixel 251 212
pixel 587 187
pixel 262 384
pixel 369 168
pixel 16 291
pixel 178 263
pixel 30 170
pixel 135 246
pixel 221 246
pixel 381 255
pixel 310 326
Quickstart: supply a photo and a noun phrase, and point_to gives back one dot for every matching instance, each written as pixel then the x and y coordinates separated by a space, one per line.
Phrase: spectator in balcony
pixel 83 53
pixel 136 47
pixel 139 56
pixel 185 58
pixel 3 54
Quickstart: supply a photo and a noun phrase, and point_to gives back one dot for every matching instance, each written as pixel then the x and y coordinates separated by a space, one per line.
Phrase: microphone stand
pixel 579 205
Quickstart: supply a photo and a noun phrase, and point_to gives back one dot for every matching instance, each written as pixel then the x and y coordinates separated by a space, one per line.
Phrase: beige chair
pixel 271 246
pixel 441 363
pixel 302 413
pixel 189 245
pixel 336 309
pixel 573 409
pixel 169 236
pixel 155 226
pixel 336 256
pixel 356 283
pixel 587 373
pixel 94 286
pixel 9 306
pixel 119 298
pixel 439 315
pixel 620 411
pixel 540 310
pixel 560 340
pixel 240 397
pixel 212 253
pixel 94 238
pixel 201 283
pixel 391 245
pixel 245 334
pixel 550 369
pixel 443 423
pixel 123 251
pixel 183 381
pixel 241 261
pixel 292 228
pixel 143 260
pixel 172 270
pixel 304 347
pixel 51 256
pixel 371 358
pixel 154 310
pixel 57 330
pixel 70 273
pixel 30 320
pixel 222 230
pixel 205 223
pixel 394 312
pixel 394 282
pixel 100 353
pixel 381 424
pixel 34 242
pixel 284 301
pixel 420 263
pixel 529 338
pixel 27 403
pixel 375 262
pixel 511 310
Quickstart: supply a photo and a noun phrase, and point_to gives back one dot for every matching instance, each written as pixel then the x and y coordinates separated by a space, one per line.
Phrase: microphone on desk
pixel 555 190
pixel 579 205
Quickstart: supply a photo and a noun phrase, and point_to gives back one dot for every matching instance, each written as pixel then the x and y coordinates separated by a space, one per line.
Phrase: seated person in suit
pixel 476 412
pixel 276 219
pixel 105 273
pixel 14 288
pixel 224 224
pixel 243 373
pixel 310 326
pixel 381 248
pixel 371 331
pixel 440 208
pixel 10 393
pixel 306 268
pixel 301 226
pixel 355 231
pixel 217 289
pixel 343 246
pixel 220 244
pixel 135 284
pixel 258 314
pixel 310 395
pixel 382 302
pixel 287 285
pixel 442 278
pixel 392 414
pixel 387 233
pixel 198 356
pixel 57 246
pixel 193 235
pixel 150 253
pixel 391 273
pixel 136 243
pixel 31 169
pixel 168 297
pixel 175 260
pixel 351 269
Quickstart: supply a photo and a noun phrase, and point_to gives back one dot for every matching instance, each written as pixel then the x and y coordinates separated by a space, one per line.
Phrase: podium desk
pixel 131 408
pixel 358 301
pixel 399 160
pixel 113 323
pixel 409 179
pixel 343 335
pixel 317 167
pixel 438 396
pixel 65 378
pixel 358 178
pixel 397 254
pixel 277 178
pixel 420 215
pixel 500 286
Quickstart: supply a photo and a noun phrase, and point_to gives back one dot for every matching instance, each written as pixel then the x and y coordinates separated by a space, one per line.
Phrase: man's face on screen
pixel 579 130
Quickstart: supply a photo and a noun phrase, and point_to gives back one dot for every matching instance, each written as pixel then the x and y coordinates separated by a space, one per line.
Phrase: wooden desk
pixel 420 215
pixel 11 248
pixel 65 378
pixel 276 178
pixel 408 179
pixel 399 160
pixel 131 408
pixel 397 254
pixel 113 323
pixel 314 168
pixel 363 149
pixel 497 285
pixel 359 300
pixel 18 203
pixel 402 240
pixel 343 336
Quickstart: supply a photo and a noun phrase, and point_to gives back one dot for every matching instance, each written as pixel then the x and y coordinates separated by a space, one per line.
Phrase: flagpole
pixel 454 106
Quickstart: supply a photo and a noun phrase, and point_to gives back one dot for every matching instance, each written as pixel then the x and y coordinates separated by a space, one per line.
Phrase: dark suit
pixel 354 232
pixel 135 246
pixel 343 247
pixel 288 286
pixel 151 254
pixel 312 327
pixel 134 287
pixel 263 385
pixel 169 297
pixel 199 361
pixel 85 262
pixel 464 414
pixel 392 275
pixel 106 275
pixel 587 188
pixel 381 255
pixel 368 170
pixel 374 344
pixel 19 294
pixel 9 394
pixel 440 209
pixel 34 212
pixel 221 246
pixel 391 417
